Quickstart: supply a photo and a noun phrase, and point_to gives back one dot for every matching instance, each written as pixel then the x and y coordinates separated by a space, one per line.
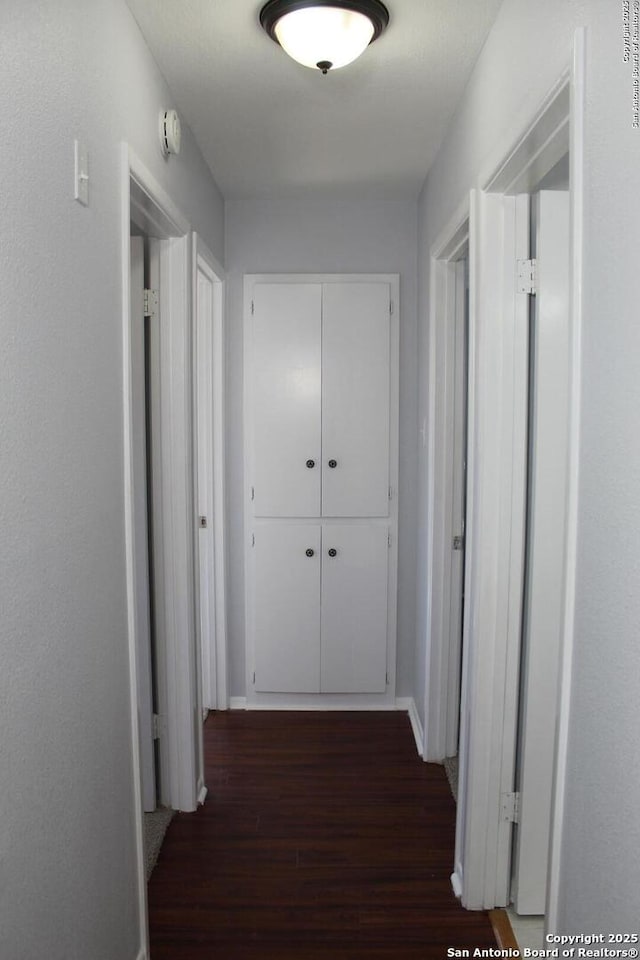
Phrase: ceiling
pixel 268 126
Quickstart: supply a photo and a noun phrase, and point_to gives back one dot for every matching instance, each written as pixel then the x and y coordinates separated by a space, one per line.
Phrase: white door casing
pixel 499 236
pixel 139 449
pixel 208 301
pixel 158 582
pixel 530 147
pixel 544 593
pixel 203 310
pixel 145 203
pixel 458 487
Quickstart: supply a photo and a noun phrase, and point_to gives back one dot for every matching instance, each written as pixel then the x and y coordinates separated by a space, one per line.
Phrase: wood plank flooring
pixel 323 836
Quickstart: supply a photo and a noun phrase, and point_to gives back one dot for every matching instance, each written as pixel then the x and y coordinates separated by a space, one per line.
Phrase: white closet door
pixel 287 607
pixel 354 608
pixel 286 399
pixel 355 400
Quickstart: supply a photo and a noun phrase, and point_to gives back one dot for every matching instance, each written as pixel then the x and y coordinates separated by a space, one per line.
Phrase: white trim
pixel 130 565
pixel 142 955
pixel 495 556
pixel 178 514
pixel 202 794
pixel 409 704
pixel 456 884
pixel 237 703
pixel 446 249
pixel 161 211
pixel 215 660
pixel 577 182
pixel 540 143
pixel 322 701
pixel 490 669
pixel 154 204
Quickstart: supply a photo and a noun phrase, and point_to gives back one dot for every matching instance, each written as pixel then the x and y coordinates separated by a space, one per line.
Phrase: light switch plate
pixel 81 169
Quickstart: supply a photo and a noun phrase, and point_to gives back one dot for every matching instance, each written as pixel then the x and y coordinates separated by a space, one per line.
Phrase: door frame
pixel 440 683
pixel 322 701
pixel 213 648
pixel 154 211
pixel 144 668
pixel 490 678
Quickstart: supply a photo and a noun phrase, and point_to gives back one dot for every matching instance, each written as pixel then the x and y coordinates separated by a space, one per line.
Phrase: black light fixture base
pixel 274 10
pixel 324 66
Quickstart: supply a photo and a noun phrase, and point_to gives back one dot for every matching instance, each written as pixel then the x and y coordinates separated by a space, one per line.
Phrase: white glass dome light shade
pixel 315 35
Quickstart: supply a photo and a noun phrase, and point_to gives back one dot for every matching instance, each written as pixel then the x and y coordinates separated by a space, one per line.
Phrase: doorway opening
pixel 209 419
pixel 162 261
pixel 521 510
pixel 548 419
pixel 447 432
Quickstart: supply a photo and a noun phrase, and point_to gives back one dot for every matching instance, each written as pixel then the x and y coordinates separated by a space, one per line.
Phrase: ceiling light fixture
pixel 324 34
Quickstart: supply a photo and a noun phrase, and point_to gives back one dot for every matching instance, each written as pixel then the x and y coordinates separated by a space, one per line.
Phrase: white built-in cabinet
pixel 321 430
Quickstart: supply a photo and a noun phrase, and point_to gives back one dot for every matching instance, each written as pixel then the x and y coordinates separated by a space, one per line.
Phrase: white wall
pixel 323 235
pixel 528 48
pixel 69 69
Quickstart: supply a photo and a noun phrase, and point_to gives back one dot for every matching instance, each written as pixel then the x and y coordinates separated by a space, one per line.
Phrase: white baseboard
pixel 237 703
pixel 202 794
pixel 409 704
pixel 456 884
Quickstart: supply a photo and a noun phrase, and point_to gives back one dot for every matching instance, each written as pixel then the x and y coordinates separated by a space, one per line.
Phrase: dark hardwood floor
pixel 323 836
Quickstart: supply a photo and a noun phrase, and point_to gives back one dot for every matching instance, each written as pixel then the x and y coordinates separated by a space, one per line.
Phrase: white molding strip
pixel 141 881
pixel 456 884
pixel 577 200
pixel 409 704
pixel 237 703
pixel 202 795
pixel 352 706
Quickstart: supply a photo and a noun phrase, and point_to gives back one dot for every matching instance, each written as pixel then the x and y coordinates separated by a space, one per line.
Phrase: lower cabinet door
pixel 353 641
pixel 287 608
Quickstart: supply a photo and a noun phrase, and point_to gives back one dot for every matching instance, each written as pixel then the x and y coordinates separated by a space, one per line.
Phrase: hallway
pixel 323 835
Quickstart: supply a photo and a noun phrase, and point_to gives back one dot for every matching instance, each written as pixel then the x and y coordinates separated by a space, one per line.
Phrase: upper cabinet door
pixel 287 322
pixel 355 399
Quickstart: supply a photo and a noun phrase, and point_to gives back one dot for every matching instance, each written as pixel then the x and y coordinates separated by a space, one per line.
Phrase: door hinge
pixel 390 493
pixel 389 540
pixel 254 678
pixel 510 807
pixel 390 308
pixel 253 539
pixel 458 543
pixel 253 493
pixel 253 308
pixel 527 276
pixel 386 678
pixel 202 522
pixel 156 726
pixel 151 304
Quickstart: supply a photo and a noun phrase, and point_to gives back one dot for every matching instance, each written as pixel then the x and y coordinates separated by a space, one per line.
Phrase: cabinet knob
pixel 309 552
pixel 311 464
pixel 333 464
pixel 333 552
